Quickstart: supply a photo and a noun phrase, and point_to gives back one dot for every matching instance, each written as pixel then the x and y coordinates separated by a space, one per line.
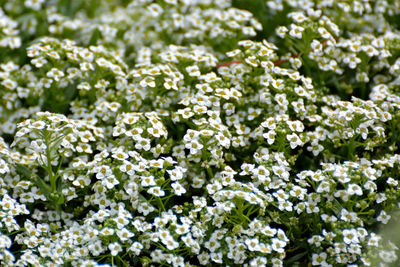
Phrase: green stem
pixel 161 203
pixel 58 169
pixel 210 173
pixel 233 220
pixel 49 167
pixel 240 210
pixel 252 210
pixel 122 261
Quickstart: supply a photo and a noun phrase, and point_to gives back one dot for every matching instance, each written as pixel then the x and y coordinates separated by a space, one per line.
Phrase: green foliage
pixel 199 133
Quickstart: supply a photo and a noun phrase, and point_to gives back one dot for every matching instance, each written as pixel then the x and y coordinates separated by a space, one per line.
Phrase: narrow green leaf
pixel 23 171
pixel 70 92
pixel 295 258
pixel 61 200
pixel 337 207
pixel 95 37
pixel 42 186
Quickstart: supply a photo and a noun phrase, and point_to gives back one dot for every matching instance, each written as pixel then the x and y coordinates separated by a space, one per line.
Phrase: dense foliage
pixel 199 132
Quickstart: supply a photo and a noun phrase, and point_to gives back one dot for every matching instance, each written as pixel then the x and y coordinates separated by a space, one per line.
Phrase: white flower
pixel 127 167
pixel 324 33
pixel 210 77
pixel 193 71
pixel 157 163
pixel 84 86
pixel 56 74
pixel 107 231
pixel 194 146
pixel 143 143
pixel 129 119
pixel 350 236
pixel 298 192
pixel 319 259
pixel 10 84
pixel 296 31
pixel 109 181
pixel 383 217
pixel 261 173
pixel 294 140
pixel 268 231
pixel 223 92
pixel 86 136
pixel 214 187
pixel 102 171
pixel 223 140
pixel 155 10
pixel 278 245
pixel 178 189
pixel 281 31
pixel 270 136
pixel 177 173
pixel 4 167
pixel 136 248
pixel 148 181
pixel 156 191
pixel 124 234
pixel 247 169
pixel 374 240
pixel 280 195
pixel 281 172
pixel 388 256
pixel 348 216
pixel 354 189
pixel 81 181
pixel 170 84
pixel 115 248
pixel 352 61
pixel 182 229
pixel 252 244
pixel 278 84
pixel 213 244
pixel 145 208
pixel 324 186
pixel 281 100
pixel 295 126
pixel 315 240
pixel 315 148
pixel 297 17
pixel 392 181
pixel 186 113
pixel 148 81
pixel 285 205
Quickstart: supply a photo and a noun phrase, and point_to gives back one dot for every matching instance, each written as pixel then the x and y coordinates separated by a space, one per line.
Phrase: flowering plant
pixel 191 133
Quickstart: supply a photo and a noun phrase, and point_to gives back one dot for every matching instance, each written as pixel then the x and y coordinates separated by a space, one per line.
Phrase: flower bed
pixel 190 133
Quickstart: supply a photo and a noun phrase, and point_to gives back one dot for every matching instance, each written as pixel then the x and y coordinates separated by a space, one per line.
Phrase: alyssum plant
pixel 190 133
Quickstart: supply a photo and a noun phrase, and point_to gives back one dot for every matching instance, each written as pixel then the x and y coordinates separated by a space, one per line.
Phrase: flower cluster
pixel 168 133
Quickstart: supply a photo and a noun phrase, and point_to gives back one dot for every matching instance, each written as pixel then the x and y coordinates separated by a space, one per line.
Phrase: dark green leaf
pixel 60 200
pixel 42 186
pixel 23 171
pixel 70 92
pixel 95 36
pixel 295 258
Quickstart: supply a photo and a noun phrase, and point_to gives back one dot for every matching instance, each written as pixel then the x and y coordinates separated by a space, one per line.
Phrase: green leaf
pixel 59 183
pixel 337 207
pixel 23 171
pixel 295 258
pixel 70 92
pixel 95 37
pixel 42 186
pixel 61 200
pixel 54 144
